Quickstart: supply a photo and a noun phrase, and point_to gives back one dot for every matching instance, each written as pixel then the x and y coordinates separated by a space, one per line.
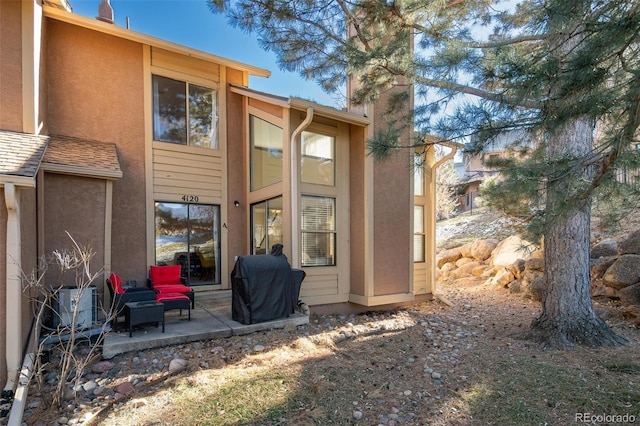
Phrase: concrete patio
pixel 210 319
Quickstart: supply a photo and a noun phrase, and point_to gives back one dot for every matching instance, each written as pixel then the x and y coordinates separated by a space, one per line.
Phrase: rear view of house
pixel 154 153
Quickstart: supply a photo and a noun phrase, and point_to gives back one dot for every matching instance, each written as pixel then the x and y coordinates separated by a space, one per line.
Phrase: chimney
pixel 105 12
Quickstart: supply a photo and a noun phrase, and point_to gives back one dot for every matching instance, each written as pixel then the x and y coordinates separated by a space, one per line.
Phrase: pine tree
pixel 554 68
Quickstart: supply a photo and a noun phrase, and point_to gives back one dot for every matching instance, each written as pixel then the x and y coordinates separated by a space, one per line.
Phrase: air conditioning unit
pixel 83 302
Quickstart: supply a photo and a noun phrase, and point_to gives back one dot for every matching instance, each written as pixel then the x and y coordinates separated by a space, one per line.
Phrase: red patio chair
pixel 121 294
pixel 166 279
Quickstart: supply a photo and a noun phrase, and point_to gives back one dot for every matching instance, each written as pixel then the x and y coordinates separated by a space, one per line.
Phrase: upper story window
pixel 184 113
pixel 266 153
pixel 317 159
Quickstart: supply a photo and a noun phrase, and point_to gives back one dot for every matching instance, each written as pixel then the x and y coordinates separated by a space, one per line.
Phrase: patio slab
pixel 209 320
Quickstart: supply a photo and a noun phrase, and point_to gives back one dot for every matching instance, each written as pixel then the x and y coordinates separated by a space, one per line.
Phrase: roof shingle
pixel 82 153
pixel 21 153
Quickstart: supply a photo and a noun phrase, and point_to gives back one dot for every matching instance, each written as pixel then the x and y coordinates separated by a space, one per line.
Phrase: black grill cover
pixel 264 287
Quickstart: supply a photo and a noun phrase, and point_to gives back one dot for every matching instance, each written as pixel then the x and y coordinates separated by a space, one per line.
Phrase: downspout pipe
pixel 14 287
pixel 440 162
pixel 295 197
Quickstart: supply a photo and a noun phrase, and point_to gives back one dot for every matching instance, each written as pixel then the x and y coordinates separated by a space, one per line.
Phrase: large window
pixel 184 113
pixel 317 159
pixel 266 225
pixel 266 153
pixel 318 230
pixel 189 235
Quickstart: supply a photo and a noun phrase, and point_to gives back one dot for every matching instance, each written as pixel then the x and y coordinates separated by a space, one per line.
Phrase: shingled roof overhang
pixel 81 157
pixel 20 157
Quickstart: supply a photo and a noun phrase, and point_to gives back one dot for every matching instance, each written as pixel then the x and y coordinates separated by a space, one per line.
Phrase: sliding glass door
pixel 189 235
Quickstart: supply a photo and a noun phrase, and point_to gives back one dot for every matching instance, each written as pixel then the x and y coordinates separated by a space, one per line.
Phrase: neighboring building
pixel 155 153
pixel 473 170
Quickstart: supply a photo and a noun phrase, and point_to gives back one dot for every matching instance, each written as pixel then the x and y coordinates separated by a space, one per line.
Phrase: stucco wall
pixel 11 65
pixel 392 215
pixel 357 208
pixel 236 179
pixel 75 205
pixel 95 91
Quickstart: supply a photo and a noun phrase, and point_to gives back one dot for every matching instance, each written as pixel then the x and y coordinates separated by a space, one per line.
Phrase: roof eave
pixel 81 171
pixel 114 30
pixel 27 182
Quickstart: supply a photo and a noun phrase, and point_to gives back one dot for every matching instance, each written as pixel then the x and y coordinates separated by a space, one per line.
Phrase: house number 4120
pixel 190 198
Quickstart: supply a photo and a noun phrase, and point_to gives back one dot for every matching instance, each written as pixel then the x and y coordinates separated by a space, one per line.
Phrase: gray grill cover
pixel 264 287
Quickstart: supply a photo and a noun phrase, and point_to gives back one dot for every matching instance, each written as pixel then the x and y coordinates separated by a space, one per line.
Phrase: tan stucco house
pixel 155 153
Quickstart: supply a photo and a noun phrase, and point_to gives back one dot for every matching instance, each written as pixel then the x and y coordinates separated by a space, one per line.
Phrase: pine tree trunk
pixel 568 317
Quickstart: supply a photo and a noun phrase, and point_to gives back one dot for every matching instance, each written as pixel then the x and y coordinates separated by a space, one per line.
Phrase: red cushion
pixel 173 288
pixel 162 275
pixel 170 296
pixel 116 283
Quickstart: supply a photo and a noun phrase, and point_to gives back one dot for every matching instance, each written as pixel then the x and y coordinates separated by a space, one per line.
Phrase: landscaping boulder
pixel 502 278
pixel 465 250
pixel 534 264
pixel 599 290
pixel 481 249
pixel 600 265
pixel 630 295
pixel 464 270
pixel 631 244
pixel 447 256
pixel 537 289
pixel 510 250
pixel 517 268
pixel 624 272
pixel 604 248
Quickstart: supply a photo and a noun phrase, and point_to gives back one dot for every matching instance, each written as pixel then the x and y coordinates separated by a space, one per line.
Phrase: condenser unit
pixel 68 299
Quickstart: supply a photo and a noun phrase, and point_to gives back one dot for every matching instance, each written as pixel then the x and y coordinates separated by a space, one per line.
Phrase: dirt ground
pixel 454 363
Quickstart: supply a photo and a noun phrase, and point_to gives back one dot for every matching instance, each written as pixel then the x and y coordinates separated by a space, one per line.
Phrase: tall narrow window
pixel 418 176
pixel 317 159
pixel 189 235
pixel 418 234
pixel 184 113
pixel 266 153
pixel 266 225
pixel 318 230
pixel 420 201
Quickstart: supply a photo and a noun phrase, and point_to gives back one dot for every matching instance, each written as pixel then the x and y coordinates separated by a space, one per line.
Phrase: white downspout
pixel 432 258
pixel 295 197
pixel 14 287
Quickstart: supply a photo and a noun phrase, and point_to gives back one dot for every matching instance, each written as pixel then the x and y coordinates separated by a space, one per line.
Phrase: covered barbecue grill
pixel 264 287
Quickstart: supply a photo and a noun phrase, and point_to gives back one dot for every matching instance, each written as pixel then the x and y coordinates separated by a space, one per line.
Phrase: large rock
pixel 465 270
pixel 447 256
pixel 502 278
pixel 464 260
pixel 631 244
pixel 630 295
pixel 465 250
pixel 517 268
pixel 510 250
pixel 604 248
pixel 481 249
pixel 534 264
pixel 537 289
pixel 600 265
pixel 624 272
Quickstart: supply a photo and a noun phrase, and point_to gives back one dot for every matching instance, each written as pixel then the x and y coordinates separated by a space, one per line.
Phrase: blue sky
pixel 192 24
